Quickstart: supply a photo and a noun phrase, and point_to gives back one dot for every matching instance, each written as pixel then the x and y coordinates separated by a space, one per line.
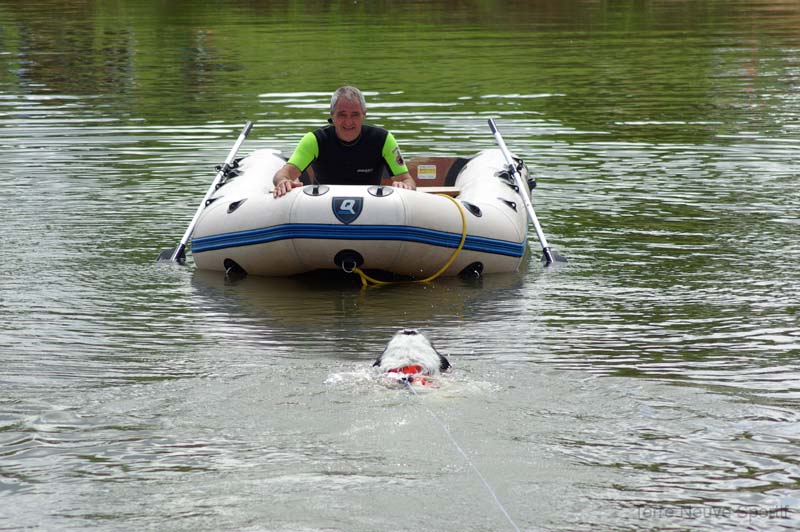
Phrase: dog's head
pixel 409 355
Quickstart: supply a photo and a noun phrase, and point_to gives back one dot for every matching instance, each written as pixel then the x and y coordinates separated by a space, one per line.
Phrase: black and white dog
pixel 410 358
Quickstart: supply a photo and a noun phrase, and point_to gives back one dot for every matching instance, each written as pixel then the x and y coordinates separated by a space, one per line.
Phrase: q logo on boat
pixel 347 210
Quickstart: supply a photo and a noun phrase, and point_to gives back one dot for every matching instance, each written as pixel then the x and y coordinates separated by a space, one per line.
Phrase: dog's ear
pixel 444 364
pixel 378 360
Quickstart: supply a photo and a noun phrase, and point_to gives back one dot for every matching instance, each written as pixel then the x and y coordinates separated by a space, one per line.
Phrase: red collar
pixel 415 374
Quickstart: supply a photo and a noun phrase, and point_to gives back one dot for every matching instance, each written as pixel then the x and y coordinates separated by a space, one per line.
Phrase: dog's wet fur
pixel 411 357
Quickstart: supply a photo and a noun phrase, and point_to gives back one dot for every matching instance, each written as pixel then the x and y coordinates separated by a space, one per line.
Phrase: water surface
pixel 649 384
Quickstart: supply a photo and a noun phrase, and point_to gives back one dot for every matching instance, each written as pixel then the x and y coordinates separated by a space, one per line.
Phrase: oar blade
pixel 558 256
pixel 167 255
pixel 551 256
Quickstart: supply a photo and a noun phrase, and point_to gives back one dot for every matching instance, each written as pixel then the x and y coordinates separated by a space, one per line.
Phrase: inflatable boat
pixel 465 218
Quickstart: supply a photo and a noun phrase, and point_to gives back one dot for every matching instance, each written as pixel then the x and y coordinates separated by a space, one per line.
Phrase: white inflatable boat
pixel 466 217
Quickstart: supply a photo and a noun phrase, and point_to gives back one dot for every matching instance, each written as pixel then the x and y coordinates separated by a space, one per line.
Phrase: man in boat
pixel 346 152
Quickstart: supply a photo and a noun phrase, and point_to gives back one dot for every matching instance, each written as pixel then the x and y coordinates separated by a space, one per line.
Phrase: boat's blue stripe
pixel 357 232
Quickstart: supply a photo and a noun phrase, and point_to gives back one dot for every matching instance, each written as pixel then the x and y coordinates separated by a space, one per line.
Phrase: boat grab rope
pixel 366 280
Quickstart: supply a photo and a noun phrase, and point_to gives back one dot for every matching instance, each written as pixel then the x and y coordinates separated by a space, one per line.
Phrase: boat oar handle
pixel 179 251
pixel 549 255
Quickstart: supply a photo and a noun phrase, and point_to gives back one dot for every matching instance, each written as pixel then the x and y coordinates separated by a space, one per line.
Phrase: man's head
pixel 348 110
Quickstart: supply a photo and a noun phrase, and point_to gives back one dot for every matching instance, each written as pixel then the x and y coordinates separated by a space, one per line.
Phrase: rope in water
pixel 469 462
pixel 366 280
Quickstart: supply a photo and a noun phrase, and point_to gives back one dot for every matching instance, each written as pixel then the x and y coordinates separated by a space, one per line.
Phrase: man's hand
pixel 404 181
pixel 285 186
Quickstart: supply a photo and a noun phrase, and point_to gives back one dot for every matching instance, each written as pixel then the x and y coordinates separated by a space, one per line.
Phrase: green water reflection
pixel 639 70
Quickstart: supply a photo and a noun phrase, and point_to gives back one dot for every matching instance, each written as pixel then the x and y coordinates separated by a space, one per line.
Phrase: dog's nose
pixel 409 331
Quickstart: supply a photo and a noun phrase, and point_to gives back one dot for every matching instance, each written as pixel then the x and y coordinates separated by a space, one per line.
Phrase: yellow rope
pixel 366 279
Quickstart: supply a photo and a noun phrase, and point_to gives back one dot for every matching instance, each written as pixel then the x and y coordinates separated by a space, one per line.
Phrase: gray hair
pixel 348 93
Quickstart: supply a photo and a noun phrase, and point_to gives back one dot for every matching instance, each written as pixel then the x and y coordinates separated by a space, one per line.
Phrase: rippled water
pixel 652 383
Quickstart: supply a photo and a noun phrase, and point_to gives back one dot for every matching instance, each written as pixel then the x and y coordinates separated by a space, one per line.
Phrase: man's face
pixel 347 119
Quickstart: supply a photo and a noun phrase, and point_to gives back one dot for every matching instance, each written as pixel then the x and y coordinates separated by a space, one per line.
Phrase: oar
pixel 178 254
pixel 550 255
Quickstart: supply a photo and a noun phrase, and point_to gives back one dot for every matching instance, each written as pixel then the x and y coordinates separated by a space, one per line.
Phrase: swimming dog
pixel 410 358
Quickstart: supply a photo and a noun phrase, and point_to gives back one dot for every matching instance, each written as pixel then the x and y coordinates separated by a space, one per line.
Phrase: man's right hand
pixel 285 186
